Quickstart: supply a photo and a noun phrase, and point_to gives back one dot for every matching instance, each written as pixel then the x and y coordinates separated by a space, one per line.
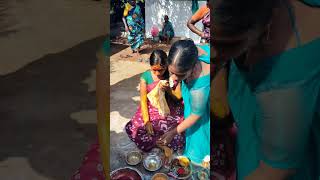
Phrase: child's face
pixel 158 70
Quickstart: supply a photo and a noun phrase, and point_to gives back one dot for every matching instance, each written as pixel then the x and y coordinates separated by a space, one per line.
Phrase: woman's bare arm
pixel 176 93
pixel 143 101
pixel 191 25
pixel 125 24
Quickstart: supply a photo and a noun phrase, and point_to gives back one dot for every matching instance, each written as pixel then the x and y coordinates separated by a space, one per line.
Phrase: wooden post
pixel 102 95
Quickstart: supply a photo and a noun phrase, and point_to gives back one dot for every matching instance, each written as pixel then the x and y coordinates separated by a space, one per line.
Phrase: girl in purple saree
pixel 147 125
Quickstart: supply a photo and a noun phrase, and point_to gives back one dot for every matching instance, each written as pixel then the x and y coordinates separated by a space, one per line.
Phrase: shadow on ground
pixel 35 107
pixel 122 94
pixel 115 48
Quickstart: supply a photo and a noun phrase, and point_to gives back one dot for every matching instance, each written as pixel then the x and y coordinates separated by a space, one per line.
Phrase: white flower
pixel 171 83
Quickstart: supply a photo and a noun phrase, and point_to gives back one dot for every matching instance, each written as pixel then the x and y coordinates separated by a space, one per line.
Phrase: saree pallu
pixel 136 130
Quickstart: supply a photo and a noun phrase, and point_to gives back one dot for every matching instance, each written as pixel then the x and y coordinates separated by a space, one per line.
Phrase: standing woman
pixel 223 134
pixel 134 24
pixel 273 85
pixel 203 14
pixel 191 66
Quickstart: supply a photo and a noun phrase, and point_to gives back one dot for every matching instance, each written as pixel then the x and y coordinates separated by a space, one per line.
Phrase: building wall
pixel 178 11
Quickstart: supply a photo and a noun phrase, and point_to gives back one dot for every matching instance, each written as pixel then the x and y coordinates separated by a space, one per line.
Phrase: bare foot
pixel 126 56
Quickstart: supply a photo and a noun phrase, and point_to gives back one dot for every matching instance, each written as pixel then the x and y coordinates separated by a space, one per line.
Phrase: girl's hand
pixel 149 128
pixel 167 137
pixel 165 86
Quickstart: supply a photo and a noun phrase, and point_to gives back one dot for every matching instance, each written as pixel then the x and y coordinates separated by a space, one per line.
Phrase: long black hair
pixel 237 16
pixel 159 57
pixel 183 55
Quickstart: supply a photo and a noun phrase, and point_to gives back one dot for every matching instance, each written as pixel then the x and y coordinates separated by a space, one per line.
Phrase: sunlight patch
pixel 117 122
pixel 85 116
pixel 136 98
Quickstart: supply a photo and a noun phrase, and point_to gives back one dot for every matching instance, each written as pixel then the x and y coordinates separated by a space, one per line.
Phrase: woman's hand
pixel 149 128
pixel 166 139
pixel 165 86
pixel 202 35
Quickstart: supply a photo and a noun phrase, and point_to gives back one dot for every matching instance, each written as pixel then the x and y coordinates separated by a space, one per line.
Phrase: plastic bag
pixel 154 31
pixel 158 100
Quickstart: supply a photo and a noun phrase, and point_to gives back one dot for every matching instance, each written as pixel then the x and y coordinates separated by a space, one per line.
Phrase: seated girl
pixel 147 126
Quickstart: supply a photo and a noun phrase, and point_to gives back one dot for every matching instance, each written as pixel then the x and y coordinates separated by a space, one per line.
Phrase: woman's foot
pixel 126 56
pixel 137 54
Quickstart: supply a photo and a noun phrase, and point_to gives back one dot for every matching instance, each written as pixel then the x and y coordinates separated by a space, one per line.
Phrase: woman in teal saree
pixel 191 65
pixel 134 24
pixel 274 85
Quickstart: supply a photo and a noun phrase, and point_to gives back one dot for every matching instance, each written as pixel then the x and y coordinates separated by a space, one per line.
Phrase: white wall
pixel 178 11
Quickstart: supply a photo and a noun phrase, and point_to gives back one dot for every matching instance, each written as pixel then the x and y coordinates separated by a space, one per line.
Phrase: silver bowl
pixel 156 151
pixel 160 175
pixel 133 158
pixel 152 162
pixel 128 169
pixel 203 175
pixel 189 167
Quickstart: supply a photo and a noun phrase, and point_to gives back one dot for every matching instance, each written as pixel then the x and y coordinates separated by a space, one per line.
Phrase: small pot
pixel 133 158
pixel 152 162
pixel 160 176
